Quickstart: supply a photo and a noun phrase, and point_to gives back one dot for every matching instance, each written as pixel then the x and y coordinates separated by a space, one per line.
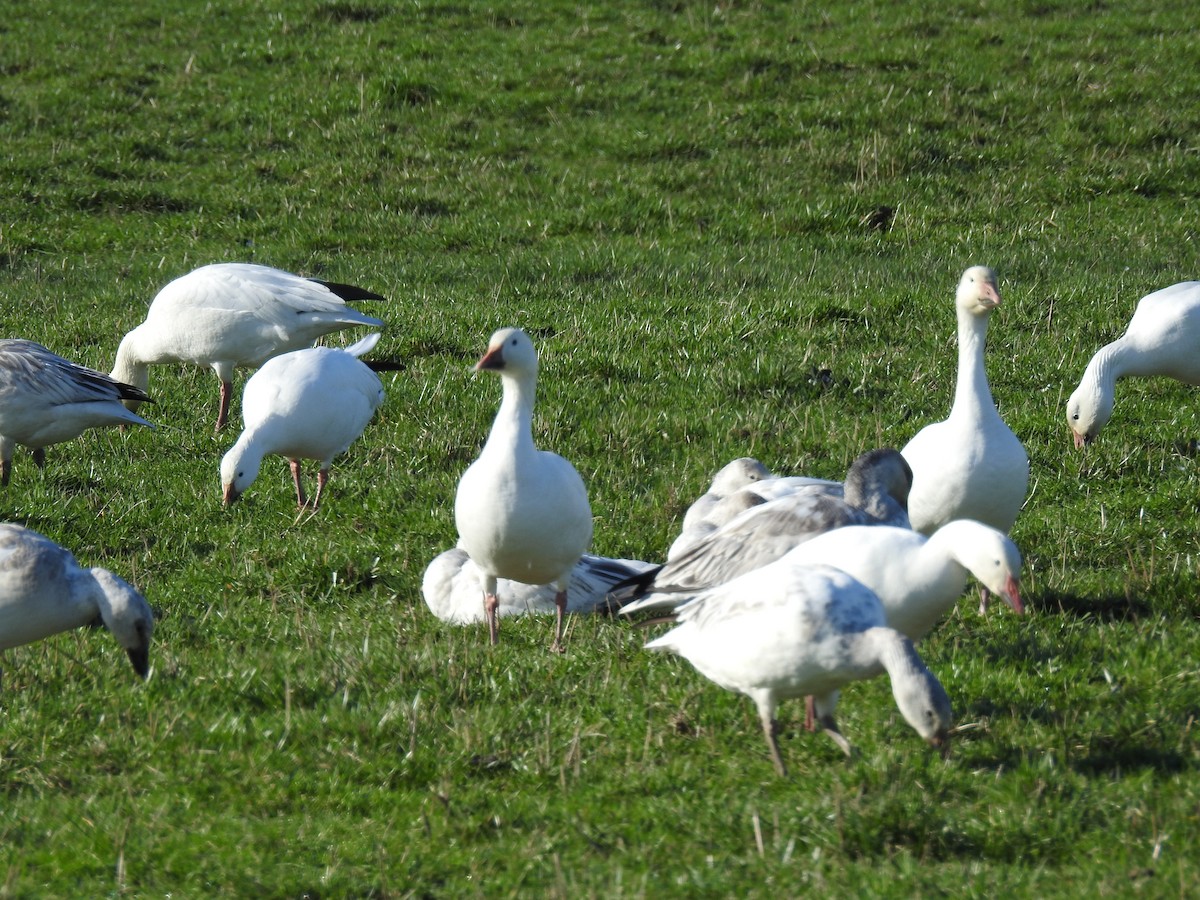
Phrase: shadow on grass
pixel 1108 608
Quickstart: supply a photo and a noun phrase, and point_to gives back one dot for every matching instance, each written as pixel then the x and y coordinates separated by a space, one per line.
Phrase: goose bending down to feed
pixel 451 588
pixel 917 578
pixel 791 630
pixel 44 591
pixel 970 466
pixel 307 404
pixel 874 493
pixel 46 399
pixel 230 315
pixel 522 513
pixel 1163 338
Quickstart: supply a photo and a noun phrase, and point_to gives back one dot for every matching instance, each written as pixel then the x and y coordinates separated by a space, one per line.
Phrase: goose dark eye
pixel 1075 417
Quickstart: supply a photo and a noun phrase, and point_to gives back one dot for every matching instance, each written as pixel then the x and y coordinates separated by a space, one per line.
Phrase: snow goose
pixel 791 630
pixel 45 399
pixel 227 315
pixel 522 513
pixel 1163 338
pixel 874 493
pixel 307 404
pixel 43 591
pixel 970 466
pixel 918 578
pixel 451 588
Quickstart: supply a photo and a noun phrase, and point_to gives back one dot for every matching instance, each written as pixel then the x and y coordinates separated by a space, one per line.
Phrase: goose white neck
pixel 514 421
pixel 972 395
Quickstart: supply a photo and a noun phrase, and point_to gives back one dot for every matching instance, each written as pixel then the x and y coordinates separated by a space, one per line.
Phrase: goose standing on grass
pixel 43 591
pixel 46 399
pixel 307 404
pixel 229 315
pixel 791 630
pixel 970 466
pixel 874 493
pixel 522 513
pixel 451 588
pixel 1163 338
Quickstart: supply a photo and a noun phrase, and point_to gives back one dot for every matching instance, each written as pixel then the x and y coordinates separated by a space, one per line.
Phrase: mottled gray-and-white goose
pixel 44 591
pixel 791 630
pixel 46 399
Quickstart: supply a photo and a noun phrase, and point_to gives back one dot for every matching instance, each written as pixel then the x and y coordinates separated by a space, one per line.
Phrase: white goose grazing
pixel 917 578
pixel 791 630
pixel 875 491
pixel 970 466
pixel 522 513
pixel 1163 338
pixel 307 404
pixel 43 591
pixel 45 399
pixel 451 588
pixel 229 315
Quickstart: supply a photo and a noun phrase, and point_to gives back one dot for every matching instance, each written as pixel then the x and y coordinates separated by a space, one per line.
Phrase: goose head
pixel 1088 411
pixel 875 474
pixel 922 700
pixel 743 471
pixel 510 351
pixel 992 557
pixel 977 292
pixel 239 468
pixel 125 613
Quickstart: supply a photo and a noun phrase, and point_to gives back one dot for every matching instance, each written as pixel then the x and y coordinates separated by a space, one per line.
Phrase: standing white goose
pixel 307 404
pixel 43 591
pixel 46 399
pixel 791 630
pixel 874 493
pixel 522 513
pixel 970 466
pixel 451 588
pixel 1163 338
pixel 229 315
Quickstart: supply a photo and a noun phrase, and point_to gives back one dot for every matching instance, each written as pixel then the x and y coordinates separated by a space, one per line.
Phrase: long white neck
pixel 938 577
pixel 128 367
pixel 971 394
pixel 513 428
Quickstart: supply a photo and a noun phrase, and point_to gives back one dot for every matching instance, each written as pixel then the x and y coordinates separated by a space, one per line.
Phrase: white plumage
pixel 522 513
pixel 230 315
pixel 1163 338
pixel 452 583
pixel 46 399
pixel 44 591
pixel 919 578
pixel 791 630
pixel 971 465
pixel 307 404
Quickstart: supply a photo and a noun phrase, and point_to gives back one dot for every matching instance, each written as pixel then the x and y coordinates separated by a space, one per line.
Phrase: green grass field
pixel 675 199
